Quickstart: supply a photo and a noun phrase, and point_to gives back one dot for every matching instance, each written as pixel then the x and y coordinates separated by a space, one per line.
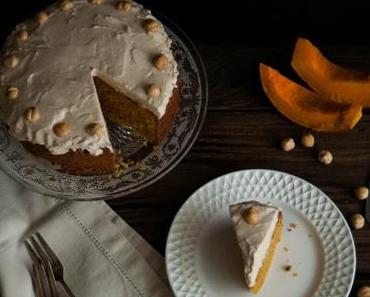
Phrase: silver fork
pixel 55 264
pixel 42 274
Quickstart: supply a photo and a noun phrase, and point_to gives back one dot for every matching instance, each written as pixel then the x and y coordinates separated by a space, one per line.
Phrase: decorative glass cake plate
pixel 148 163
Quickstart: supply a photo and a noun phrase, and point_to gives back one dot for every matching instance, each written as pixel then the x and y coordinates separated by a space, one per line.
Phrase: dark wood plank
pixel 234 78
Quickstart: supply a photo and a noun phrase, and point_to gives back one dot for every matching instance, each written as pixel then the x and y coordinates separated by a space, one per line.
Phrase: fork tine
pixel 42 266
pixel 46 265
pixel 40 251
pixel 39 270
pixel 56 264
pixel 52 256
pixel 51 279
pixel 37 283
pixel 31 252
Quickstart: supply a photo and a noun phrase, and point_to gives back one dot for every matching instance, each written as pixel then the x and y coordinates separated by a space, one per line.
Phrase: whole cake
pixel 258 229
pixel 78 64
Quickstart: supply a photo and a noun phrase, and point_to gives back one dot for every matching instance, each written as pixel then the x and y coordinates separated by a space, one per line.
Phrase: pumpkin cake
pixel 76 65
pixel 258 229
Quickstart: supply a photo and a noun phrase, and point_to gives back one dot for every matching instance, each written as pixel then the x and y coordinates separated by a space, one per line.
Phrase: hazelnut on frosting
pixel 66 5
pixel 125 6
pixel 12 92
pixel 61 129
pixel 153 91
pixel 96 2
pixel 151 26
pixel 11 61
pixel 160 62
pixel 22 36
pixel 251 215
pixel 32 115
pixel 41 17
pixel 95 129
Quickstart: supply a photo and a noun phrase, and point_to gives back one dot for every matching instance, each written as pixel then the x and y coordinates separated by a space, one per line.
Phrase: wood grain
pixel 242 130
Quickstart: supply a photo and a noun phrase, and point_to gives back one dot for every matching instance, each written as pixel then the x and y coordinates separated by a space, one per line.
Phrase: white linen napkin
pixel 101 254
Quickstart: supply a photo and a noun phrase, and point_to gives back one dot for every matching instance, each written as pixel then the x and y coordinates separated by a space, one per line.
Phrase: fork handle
pixel 66 289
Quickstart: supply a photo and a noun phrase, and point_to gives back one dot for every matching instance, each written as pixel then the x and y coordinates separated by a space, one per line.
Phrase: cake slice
pixel 258 229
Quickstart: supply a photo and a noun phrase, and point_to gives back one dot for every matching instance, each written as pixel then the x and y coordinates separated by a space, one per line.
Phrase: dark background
pixel 255 22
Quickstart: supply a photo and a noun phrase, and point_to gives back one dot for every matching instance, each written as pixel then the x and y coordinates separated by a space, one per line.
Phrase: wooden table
pixel 242 130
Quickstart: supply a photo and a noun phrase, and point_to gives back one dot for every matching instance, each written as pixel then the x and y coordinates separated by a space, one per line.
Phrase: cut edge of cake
pixel 262 274
pixel 253 222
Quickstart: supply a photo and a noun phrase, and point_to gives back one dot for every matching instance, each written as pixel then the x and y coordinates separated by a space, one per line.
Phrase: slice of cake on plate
pixel 258 229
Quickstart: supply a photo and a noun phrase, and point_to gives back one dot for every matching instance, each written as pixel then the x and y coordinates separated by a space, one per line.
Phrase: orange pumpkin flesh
pixel 305 107
pixel 328 79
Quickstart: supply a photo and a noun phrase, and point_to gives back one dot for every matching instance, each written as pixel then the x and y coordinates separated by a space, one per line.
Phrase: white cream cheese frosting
pixel 254 239
pixel 54 69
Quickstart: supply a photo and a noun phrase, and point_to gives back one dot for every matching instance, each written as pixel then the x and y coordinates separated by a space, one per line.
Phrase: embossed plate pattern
pixel 203 259
pixel 40 177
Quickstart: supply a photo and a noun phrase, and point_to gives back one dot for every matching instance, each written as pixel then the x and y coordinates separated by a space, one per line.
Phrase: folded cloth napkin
pixel 101 254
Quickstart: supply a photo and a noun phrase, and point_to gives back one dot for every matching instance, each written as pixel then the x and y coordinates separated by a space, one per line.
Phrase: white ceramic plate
pixel 203 258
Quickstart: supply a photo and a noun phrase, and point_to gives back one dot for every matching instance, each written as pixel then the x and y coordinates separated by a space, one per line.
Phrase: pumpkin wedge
pixel 326 78
pixel 305 107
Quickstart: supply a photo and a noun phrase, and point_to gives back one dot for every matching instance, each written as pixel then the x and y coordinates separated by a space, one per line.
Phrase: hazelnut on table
pixel 287 144
pixel 325 157
pixel 307 140
pixel 362 193
pixel 358 221
pixel 364 292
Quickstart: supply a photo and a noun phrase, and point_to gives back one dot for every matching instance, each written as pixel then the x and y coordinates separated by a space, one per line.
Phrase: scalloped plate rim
pixel 245 171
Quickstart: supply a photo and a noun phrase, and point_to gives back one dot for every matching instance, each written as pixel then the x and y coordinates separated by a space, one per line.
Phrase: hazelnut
pixel 251 215
pixel 125 6
pixel 96 2
pixel 153 91
pixel 66 5
pixel 325 157
pixel 362 193
pixel 32 115
pixel 41 17
pixel 22 36
pixel 308 140
pixel 287 144
pixel 151 26
pixel 358 221
pixel 363 292
pixel 95 129
pixel 160 62
pixel 11 61
pixel 61 129
pixel 12 92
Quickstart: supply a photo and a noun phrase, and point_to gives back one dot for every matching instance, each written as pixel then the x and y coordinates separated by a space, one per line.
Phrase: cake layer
pixel 77 163
pixel 124 111
pixel 47 74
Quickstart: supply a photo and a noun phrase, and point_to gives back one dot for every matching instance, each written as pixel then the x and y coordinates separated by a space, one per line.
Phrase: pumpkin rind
pixel 328 79
pixel 305 107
